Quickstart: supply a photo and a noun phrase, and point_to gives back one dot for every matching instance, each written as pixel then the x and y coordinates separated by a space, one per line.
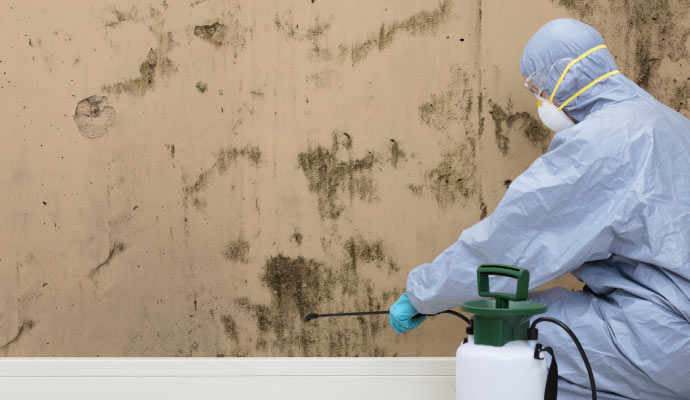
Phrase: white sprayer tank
pixel 499 373
pixel 498 362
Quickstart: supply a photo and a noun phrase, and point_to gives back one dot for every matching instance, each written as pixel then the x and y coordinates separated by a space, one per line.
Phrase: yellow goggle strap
pixel 594 82
pixel 570 64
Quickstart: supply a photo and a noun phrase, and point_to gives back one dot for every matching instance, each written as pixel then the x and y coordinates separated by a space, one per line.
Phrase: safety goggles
pixel 537 81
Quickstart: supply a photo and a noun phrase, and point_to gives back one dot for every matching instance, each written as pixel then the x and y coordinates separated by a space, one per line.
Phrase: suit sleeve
pixel 555 216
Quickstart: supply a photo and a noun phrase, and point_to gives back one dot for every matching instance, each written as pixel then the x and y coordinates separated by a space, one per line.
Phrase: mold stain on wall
pixel 24 328
pixel 397 154
pixel 654 30
pixel 454 178
pixel 117 248
pixel 333 172
pixel 452 105
pixel 157 64
pixel 220 166
pixel 237 250
pixel 300 286
pixel 522 121
pixel 423 22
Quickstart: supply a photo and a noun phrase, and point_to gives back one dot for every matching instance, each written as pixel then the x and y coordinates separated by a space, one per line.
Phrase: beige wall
pixel 297 156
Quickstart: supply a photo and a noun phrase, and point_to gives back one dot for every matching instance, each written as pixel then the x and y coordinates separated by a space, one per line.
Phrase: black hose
pixel 350 314
pixel 579 348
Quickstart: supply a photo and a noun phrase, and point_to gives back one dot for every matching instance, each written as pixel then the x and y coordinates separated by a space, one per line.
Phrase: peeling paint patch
pixel 25 327
pixel 330 175
pixel 214 33
pixel 93 116
pixel 117 248
pixel 156 64
pixel 237 250
pixel 423 22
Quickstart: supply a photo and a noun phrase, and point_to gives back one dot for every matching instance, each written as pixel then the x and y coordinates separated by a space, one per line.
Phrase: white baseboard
pixel 227 378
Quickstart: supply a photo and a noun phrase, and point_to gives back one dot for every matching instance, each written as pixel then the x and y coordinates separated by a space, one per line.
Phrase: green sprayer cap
pixel 505 317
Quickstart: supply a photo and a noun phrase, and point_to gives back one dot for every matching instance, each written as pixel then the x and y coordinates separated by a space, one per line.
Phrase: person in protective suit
pixel 610 203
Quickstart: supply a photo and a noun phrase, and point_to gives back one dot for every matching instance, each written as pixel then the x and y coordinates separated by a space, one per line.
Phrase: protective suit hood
pixel 562 40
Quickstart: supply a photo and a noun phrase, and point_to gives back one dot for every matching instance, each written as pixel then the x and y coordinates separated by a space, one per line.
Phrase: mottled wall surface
pixel 192 177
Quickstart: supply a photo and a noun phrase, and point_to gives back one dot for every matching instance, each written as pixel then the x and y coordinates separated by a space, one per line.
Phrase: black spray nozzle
pixel 311 316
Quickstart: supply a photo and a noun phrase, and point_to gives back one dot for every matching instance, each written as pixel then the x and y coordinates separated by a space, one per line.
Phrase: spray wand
pixel 358 313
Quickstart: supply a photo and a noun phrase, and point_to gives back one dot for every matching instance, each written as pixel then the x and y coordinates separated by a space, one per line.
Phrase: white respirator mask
pixel 550 113
pixel 551 116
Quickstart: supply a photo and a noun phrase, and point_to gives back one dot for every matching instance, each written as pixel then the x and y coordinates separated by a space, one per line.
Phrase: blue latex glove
pixel 403 316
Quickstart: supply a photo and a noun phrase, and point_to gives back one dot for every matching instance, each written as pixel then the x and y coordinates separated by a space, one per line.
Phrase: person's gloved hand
pixel 403 316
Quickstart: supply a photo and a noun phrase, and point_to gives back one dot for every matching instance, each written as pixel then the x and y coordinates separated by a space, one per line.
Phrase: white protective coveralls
pixel 609 202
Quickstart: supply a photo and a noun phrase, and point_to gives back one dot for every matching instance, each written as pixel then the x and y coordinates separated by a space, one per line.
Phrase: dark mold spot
pixel 94 115
pixel 532 129
pixel 121 16
pixel 117 248
pixel 397 153
pixel 423 22
pixel 237 250
pixel 201 86
pixel 453 105
pixel 483 209
pixel 156 63
pixel 251 153
pixel 297 237
pixel 507 182
pixel 230 327
pixel 359 251
pixel 453 178
pixel 25 327
pixel 214 34
pixel 329 175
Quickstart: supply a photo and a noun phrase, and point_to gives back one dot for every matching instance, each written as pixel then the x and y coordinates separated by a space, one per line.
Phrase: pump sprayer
pixel 500 358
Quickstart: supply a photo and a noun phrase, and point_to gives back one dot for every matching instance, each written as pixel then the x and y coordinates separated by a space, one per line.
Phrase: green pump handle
pixel 521 274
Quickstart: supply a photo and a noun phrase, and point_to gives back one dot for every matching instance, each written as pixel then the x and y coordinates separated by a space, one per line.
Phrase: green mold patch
pixel 655 30
pixel 225 156
pixel 314 35
pixel 297 283
pixel 421 23
pixel 455 104
pixel 219 167
pixel 157 64
pixel 453 179
pixel 230 327
pixel 332 174
pixel 359 253
pixel 121 16
pixel 299 286
pixel 522 121
pixel 237 250
pixel 214 33
pixel 396 153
